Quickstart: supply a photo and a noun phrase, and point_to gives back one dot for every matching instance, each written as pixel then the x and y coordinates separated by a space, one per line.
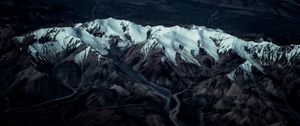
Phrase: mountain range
pixel 116 72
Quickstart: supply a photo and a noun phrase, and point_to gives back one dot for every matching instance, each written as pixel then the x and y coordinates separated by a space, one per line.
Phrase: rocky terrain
pixel 158 66
pixel 115 72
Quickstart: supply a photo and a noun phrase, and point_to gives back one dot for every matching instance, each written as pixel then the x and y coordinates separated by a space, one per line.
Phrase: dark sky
pixel 273 18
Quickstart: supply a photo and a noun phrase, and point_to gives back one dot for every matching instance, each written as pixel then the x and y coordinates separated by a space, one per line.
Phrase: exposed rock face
pixel 115 72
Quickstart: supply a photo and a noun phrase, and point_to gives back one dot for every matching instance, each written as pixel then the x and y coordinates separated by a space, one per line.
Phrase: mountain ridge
pixel 123 73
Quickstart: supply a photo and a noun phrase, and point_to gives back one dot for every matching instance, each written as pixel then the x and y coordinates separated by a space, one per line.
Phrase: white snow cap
pixel 172 40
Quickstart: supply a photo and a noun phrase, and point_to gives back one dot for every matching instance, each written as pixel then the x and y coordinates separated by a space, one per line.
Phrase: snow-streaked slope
pixel 97 35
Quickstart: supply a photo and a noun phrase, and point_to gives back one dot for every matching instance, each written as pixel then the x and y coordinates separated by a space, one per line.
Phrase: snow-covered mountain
pixel 173 73
pixel 99 35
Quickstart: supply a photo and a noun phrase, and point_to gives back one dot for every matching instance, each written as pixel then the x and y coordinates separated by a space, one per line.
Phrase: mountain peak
pixel 187 42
